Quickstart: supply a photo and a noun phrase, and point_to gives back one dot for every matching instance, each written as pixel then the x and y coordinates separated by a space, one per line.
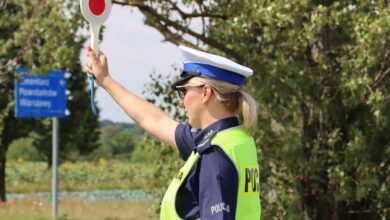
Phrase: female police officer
pixel 220 178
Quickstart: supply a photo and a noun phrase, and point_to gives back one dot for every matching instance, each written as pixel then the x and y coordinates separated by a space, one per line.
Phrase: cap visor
pixel 181 81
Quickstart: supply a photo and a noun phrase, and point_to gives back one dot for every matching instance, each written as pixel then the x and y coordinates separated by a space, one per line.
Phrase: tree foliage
pixel 121 141
pixel 322 82
pixel 23 149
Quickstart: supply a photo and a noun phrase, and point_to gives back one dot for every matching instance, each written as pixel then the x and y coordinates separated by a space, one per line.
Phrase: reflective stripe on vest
pixel 241 150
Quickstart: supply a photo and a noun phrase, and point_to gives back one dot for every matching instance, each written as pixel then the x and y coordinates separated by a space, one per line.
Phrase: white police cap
pixel 199 63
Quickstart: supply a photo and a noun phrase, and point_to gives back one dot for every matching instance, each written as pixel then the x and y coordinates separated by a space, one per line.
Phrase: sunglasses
pixel 182 91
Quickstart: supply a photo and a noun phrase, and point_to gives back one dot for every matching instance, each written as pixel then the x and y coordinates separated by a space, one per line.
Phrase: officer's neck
pixel 213 114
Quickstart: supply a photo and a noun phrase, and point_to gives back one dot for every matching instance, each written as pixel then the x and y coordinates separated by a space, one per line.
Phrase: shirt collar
pixel 203 138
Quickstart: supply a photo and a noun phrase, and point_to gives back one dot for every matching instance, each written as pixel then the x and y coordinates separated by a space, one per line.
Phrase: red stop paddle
pixel 96 13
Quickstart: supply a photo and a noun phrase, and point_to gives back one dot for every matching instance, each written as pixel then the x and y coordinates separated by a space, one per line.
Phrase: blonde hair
pixel 234 98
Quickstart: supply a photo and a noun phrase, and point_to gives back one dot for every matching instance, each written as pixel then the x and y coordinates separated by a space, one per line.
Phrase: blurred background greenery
pixel 322 79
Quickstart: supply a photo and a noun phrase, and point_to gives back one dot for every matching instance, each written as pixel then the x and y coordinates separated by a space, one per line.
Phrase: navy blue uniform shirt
pixel 210 189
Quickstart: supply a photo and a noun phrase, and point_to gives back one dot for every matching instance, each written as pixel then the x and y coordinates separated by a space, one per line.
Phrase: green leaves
pixel 322 74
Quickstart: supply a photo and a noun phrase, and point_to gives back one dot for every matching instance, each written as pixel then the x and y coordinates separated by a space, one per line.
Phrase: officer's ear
pixel 207 92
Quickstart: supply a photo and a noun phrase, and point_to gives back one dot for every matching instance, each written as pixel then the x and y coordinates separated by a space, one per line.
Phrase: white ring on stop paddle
pixel 95 21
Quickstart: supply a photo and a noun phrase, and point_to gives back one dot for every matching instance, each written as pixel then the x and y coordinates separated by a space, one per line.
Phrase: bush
pixel 142 154
pixel 24 149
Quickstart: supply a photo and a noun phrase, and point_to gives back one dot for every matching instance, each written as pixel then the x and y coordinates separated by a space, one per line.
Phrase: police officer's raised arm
pixel 145 114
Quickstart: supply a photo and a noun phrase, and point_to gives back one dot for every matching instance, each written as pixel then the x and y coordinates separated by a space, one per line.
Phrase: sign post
pixel 96 13
pixel 55 142
pixel 43 96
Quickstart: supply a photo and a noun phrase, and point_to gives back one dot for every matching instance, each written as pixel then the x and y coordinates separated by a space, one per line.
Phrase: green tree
pixel 123 143
pixel 119 139
pixel 24 149
pixel 322 81
pixel 42 35
pixel 15 41
pixel 108 131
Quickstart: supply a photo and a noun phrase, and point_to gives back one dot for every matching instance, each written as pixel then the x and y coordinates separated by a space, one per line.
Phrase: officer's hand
pixel 97 66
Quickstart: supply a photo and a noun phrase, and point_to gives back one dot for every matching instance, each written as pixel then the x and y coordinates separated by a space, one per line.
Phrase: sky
pixel 134 51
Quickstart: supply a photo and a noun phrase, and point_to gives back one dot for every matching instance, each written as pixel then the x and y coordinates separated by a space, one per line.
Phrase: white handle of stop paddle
pixel 94 29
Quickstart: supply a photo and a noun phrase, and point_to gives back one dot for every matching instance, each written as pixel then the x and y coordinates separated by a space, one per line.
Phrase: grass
pixel 76 209
pixel 25 177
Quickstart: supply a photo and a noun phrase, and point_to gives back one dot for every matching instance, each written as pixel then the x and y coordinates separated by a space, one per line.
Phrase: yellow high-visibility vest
pixel 241 149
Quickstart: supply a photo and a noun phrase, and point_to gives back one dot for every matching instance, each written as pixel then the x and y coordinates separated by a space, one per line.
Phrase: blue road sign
pixel 40 96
